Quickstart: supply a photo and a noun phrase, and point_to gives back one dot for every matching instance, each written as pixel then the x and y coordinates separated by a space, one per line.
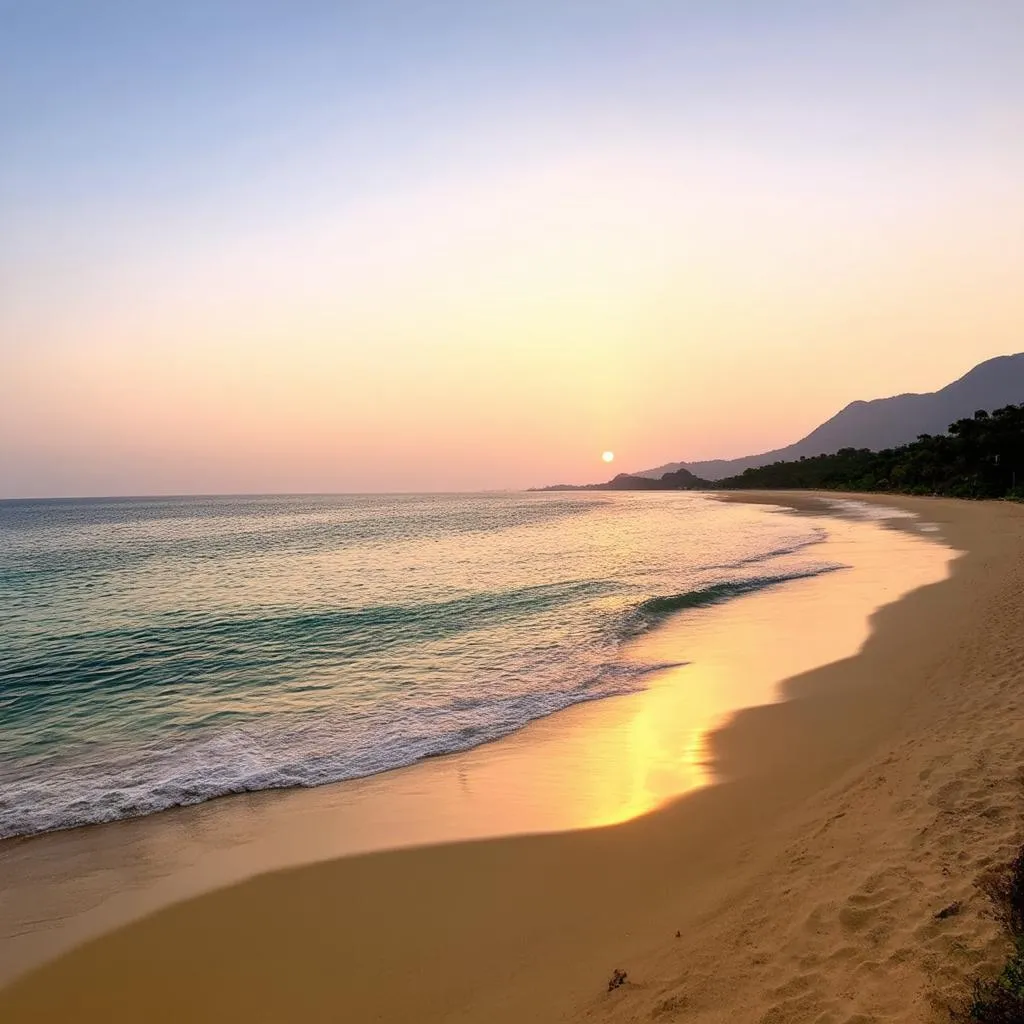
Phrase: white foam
pixel 868 510
pixel 237 760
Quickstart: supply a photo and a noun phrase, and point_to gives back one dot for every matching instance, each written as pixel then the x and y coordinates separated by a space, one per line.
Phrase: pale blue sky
pixel 217 211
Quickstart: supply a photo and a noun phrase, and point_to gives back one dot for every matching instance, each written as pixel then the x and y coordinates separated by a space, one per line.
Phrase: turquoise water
pixel 163 652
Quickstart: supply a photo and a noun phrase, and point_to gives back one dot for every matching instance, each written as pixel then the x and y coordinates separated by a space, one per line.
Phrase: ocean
pixel 160 652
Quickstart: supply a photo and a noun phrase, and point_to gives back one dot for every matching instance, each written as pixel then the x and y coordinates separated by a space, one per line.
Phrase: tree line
pixel 980 457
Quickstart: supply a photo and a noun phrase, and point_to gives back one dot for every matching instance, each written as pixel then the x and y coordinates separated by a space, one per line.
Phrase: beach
pixel 803 887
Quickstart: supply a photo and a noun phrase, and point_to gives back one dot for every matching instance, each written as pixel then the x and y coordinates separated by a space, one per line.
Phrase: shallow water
pixel 163 652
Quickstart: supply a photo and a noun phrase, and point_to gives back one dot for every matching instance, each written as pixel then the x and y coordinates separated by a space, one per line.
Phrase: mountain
pixel 884 422
pixel 981 456
pixel 678 480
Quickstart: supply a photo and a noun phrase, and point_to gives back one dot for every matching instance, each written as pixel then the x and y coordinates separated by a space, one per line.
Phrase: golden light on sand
pixel 607 456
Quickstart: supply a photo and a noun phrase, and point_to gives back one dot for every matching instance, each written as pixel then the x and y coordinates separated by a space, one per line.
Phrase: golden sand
pixel 803 889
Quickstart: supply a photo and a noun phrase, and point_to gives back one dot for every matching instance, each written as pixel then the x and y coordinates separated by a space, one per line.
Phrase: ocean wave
pixel 223 757
pixel 659 607
pixel 254 758
pixel 819 535
pixel 162 652
pixel 203 673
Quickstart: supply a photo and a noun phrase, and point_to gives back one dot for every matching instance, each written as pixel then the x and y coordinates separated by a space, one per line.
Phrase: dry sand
pixel 805 889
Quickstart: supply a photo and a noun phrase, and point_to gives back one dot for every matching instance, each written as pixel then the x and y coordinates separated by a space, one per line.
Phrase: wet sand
pixel 803 888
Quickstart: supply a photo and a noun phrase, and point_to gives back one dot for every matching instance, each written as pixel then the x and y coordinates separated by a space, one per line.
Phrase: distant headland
pixel 678 480
pixel 979 455
pixel 882 422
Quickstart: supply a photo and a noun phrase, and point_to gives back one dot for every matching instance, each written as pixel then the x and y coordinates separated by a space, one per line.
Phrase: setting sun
pixel 607 456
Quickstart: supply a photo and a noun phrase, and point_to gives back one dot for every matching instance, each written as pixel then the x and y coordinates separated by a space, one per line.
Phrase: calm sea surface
pixel 163 652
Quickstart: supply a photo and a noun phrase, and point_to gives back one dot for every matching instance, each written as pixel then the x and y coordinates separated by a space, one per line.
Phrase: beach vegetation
pixel 1000 1000
pixel 981 456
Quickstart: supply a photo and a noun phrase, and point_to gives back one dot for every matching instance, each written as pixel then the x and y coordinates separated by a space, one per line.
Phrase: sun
pixel 607 456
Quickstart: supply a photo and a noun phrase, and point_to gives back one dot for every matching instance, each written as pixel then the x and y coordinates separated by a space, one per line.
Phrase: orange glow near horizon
pixel 376 277
pixel 485 364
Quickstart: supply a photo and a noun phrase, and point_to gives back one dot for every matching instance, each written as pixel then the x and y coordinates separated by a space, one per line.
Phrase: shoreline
pixel 592 764
pixel 228 744
pixel 536 915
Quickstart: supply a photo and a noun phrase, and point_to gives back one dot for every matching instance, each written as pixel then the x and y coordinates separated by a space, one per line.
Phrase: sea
pixel 162 652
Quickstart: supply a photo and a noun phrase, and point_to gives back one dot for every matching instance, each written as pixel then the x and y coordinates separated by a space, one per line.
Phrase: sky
pixel 251 247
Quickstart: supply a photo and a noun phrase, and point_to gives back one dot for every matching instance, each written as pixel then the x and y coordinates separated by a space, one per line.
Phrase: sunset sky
pixel 310 246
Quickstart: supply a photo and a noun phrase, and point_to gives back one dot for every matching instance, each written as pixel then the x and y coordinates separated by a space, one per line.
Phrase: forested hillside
pixel 979 457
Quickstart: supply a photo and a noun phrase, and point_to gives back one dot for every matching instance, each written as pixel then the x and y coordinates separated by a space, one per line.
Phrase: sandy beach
pixel 803 888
